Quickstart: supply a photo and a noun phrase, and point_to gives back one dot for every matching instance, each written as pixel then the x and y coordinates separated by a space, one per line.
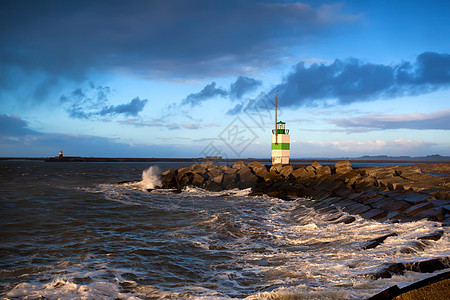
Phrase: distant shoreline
pixel 199 159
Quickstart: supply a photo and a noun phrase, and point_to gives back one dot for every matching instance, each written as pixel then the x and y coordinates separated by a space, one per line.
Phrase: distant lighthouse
pixel 281 140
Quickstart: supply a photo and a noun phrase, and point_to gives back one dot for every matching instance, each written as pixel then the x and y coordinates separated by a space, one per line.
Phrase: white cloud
pixel 421 121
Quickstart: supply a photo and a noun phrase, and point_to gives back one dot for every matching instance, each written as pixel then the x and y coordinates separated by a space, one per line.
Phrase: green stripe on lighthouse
pixel 281 146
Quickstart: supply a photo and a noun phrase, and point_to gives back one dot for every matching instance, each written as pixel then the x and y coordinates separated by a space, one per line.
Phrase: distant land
pixel 366 158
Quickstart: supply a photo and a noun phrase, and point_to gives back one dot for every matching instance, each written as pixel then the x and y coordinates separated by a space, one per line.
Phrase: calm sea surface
pixel 71 231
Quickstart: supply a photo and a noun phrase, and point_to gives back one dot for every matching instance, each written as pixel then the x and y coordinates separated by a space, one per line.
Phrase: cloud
pixel 154 38
pixel 237 89
pixel 439 120
pixel 93 102
pixel 18 140
pixel 235 110
pixel 209 91
pixel 349 148
pixel 162 123
pixel 352 80
pixel 14 126
pixel 130 109
pixel 243 85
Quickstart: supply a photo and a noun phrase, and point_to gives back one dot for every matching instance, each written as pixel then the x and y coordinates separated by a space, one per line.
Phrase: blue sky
pixel 195 78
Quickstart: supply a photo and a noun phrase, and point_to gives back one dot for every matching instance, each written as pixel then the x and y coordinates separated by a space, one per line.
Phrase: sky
pixel 199 78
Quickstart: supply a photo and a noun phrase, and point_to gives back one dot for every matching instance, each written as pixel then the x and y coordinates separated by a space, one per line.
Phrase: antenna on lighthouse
pixel 276 109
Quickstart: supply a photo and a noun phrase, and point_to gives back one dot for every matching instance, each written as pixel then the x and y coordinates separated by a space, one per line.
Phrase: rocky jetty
pixel 390 194
pixel 394 193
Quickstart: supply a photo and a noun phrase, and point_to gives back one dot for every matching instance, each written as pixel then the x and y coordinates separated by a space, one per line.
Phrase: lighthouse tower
pixel 281 140
pixel 281 144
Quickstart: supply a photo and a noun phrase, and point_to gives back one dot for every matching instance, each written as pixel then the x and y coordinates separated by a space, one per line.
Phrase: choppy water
pixel 68 230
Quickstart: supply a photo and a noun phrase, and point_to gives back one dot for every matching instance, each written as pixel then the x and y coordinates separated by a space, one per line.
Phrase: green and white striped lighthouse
pixel 281 144
pixel 281 140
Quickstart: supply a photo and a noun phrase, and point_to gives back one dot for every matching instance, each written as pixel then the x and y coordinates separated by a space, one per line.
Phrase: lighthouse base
pixel 280 160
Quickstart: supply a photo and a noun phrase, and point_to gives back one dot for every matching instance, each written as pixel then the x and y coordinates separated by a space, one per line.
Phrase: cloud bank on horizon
pixel 176 72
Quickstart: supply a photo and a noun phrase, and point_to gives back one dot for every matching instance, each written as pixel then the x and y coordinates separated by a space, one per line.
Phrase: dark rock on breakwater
pixel 394 193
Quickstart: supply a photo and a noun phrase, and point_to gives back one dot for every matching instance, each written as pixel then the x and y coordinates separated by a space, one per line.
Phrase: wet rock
pixel 436 287
pixel 229 179
pixel 376 242
pixel 168 179
pixel 390 204
pixel 197 180
pixel 427 266
pixel 374 214
pixel 415 246
pixel 418 208
pixel 435 236
pixel 432 214
pixel 272 176
pixel 357 208
pixel 246 178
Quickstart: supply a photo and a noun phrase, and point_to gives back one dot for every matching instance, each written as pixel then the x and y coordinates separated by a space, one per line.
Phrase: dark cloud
pixel 353 80
pixel 130 109
pixel 439 120
pixel 14 126
pixel 242 86
pixel 93 102
pixel 235 110
pixel 209 91
pixel 237 89
pixel 66 39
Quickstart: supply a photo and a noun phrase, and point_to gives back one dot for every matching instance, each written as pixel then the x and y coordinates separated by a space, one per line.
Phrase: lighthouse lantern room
pixel 281 141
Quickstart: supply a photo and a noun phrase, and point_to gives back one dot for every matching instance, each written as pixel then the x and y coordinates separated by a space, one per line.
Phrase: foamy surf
pixel 98 240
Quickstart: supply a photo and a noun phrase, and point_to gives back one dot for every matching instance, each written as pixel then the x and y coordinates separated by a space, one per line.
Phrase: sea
pixel 76 231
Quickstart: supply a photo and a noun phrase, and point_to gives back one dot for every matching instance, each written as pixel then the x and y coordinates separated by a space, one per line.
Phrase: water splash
pixel 151 178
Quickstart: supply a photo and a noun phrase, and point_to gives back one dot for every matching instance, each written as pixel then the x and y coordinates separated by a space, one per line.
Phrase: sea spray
pixel 151 178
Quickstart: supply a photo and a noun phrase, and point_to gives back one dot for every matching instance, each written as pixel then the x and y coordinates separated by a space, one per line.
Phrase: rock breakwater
pixel 394 193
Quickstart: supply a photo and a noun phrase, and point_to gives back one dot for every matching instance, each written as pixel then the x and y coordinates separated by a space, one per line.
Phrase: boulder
pixel 208 165
pixel 214 172
pixel 343 167
pixel 168 179
pixel 217 179
pixel 246 178
pixel 369 171
pixel 272 176
pixel 229 179
pixel 276 167
pixel 197 180
pixel 258 169
pixel 300 173
pixel 418 208
pixel 323 170
pixel 183 180
pixel 364 183
pixel 427 266
pixel 376 242
pixel 238 164
pixel 286 171
pixel 316 165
